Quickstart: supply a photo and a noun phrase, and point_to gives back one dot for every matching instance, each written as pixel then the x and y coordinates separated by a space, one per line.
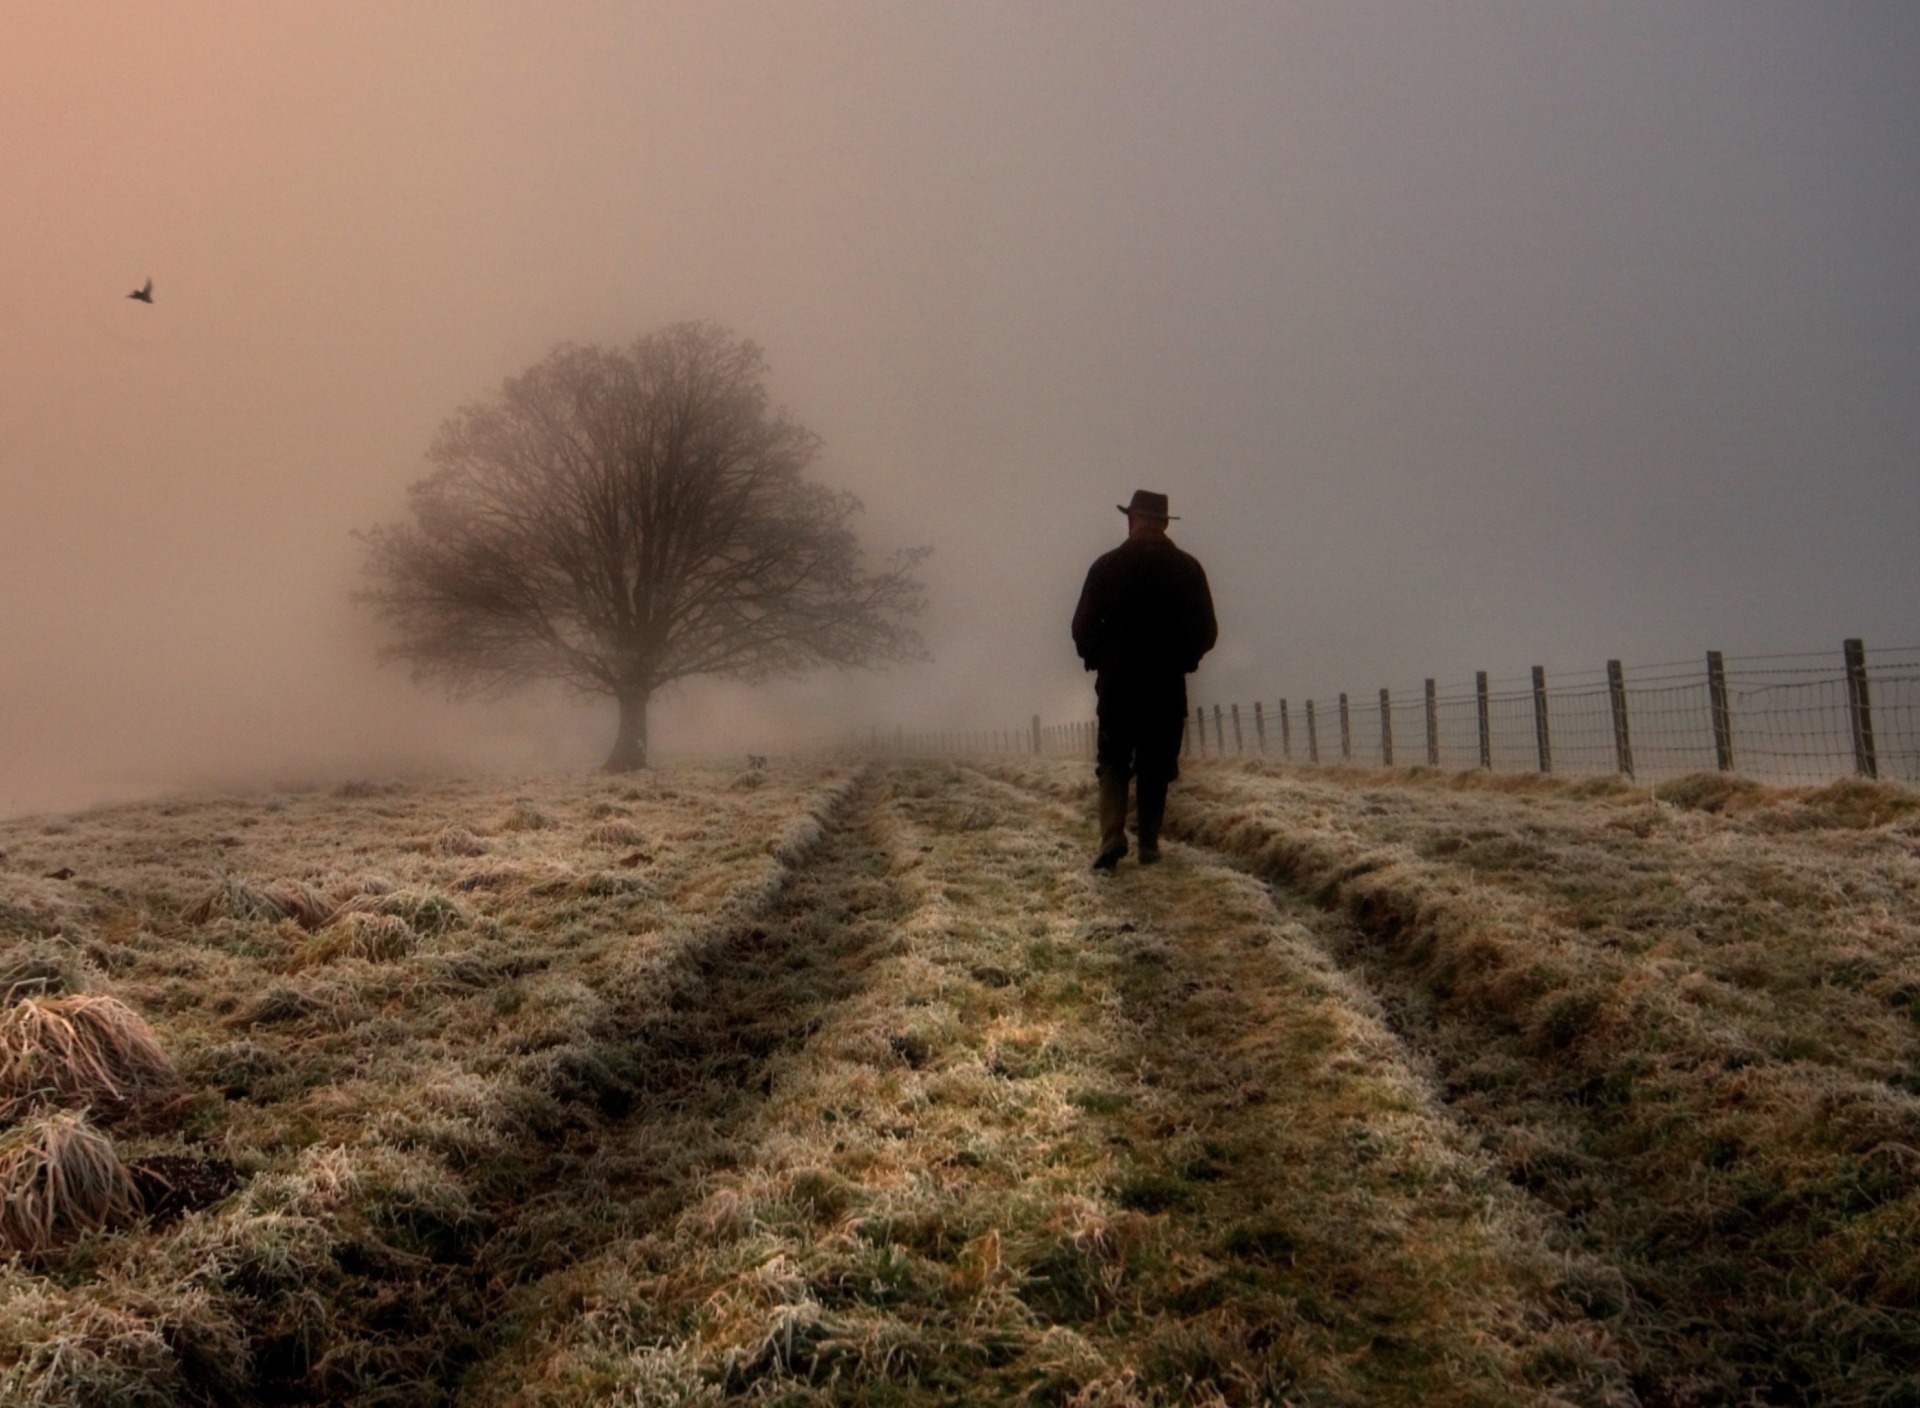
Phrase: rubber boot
pixel 1153 807
pixel 1113 821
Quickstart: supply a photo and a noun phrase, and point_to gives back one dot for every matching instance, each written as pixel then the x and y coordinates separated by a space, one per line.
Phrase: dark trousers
pixel 1141 725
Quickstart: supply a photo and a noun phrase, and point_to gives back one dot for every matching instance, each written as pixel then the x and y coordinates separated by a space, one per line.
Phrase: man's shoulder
pixel 1169 556
pixel 1183 557
pixel 1114 559
pixel 1145 555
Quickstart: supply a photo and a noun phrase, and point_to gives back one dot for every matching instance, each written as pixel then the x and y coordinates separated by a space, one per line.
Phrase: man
pixel 1144 620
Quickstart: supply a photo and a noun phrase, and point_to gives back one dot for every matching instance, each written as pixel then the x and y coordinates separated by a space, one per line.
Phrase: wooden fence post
pixel 1346 732
pixel 1200 727
pixel 1719 711
pixel 1386 730
pixel 1622 737
pixel 1219 733
pixel 1860 709
pixel 1542 738
pixel 1239 747
pixel 1313 736
pixel 1036 735
pixel 1286 733
pixel 1486 719
pixel 1433 726
pixel 1259 728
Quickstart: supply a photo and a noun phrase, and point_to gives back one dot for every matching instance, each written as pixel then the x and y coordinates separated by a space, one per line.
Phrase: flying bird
pixel 145 295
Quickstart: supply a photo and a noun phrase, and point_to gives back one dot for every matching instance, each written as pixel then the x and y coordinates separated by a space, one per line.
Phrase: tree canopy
pixel 618 519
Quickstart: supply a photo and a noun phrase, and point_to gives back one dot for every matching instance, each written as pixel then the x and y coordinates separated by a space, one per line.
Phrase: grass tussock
pixel 79 1049
pixel 617 832
pixel 373 937
pixel 59 1176
pixel 44 967
pixel 232 898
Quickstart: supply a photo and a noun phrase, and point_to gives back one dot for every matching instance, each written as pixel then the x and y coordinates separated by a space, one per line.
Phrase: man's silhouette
pixel 1144 620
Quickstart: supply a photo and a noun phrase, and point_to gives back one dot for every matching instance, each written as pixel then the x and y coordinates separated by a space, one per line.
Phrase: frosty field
pixel 844 1082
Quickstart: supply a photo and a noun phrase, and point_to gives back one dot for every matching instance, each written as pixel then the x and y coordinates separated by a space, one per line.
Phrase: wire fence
pixel 1804 718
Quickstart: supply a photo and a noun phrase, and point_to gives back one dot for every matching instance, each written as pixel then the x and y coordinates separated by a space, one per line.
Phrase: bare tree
pixel 618 520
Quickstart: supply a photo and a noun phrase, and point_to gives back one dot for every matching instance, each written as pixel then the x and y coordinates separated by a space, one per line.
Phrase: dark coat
pixel 1145 618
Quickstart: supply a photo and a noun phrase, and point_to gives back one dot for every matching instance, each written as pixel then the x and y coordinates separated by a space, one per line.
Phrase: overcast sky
pixel 1462 336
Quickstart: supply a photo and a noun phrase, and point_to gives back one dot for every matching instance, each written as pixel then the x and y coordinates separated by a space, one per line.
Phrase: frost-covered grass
pixel 833 1085
pixel 1064 1141
pixel 1687 1019
pixel 397 1015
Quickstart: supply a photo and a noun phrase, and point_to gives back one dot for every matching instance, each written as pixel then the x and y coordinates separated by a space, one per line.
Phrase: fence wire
pixel 1801 718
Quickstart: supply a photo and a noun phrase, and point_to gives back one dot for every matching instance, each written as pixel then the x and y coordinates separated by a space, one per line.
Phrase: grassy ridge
pixel 1685 1020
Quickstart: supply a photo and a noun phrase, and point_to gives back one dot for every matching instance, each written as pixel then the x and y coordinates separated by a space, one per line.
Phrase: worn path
pixel 961 1122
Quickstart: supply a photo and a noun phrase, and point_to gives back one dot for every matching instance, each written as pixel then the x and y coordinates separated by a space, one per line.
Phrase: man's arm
pixel 1203 629
pixel 1089 620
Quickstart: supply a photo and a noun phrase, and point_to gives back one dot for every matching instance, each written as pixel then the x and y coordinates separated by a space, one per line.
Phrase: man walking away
pixel 1144 620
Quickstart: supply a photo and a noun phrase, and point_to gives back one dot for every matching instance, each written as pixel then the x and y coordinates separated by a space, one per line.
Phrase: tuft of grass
pixel 1857 804
pixel 233 898
pixel 59 1176
pixel 617 832
pixel 524 815
pixel 377 938
pixel 321 1004
pixel 43 968
pixel 80 1049
pixel 422 911
pixel 458 841
pixel 1712 792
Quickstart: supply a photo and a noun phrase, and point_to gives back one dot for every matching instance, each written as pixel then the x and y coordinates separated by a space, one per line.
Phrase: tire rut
pixel 689 1059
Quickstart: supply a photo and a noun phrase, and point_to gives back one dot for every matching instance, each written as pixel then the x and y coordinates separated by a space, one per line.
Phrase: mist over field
pixel 1461 337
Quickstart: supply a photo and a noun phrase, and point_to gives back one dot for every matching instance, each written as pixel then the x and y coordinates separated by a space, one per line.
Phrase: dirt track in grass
pixel 830 1085
pixel 1066 1140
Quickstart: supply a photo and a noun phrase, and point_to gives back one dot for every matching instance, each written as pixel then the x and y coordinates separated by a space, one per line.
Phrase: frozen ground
pixel 848 1083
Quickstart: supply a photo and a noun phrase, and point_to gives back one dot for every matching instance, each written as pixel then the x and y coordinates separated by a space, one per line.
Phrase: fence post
pixel 1036 735
pixel 1259 728
pixel 1239 747
pixel 1486 720
pixel 1219 733
pixel 1860 709
pixel 1542 738
pixel 1286 733
pixel 1433 727
pixel 1200 727
pixel 1346 732
pixel 1617 700
pixel 1719 711
pixel 1386 730
pixel 1313 736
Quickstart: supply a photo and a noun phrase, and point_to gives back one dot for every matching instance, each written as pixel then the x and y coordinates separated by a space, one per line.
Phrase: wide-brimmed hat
pixel 1148 504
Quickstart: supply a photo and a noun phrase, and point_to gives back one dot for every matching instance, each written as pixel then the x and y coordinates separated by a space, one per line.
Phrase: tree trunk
pixel 630 744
